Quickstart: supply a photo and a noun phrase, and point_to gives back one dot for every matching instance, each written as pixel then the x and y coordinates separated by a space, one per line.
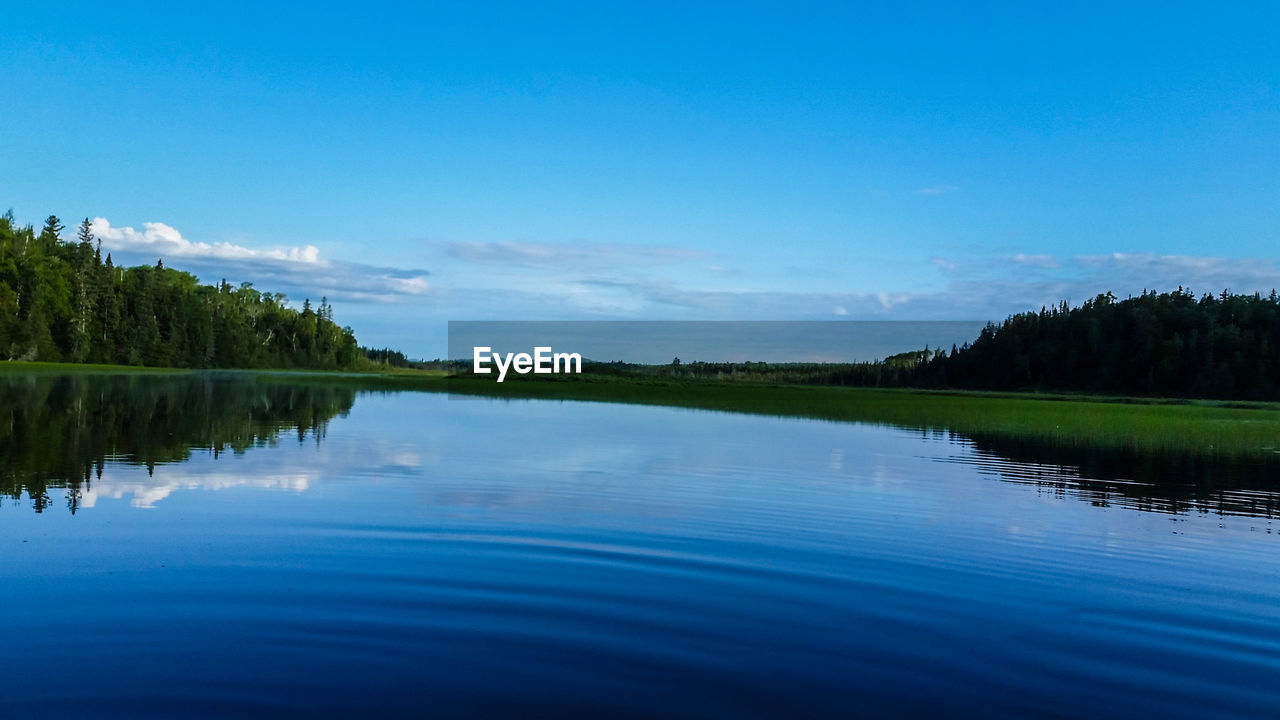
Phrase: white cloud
pixel 296 271
pixel 1198 272
pixel 410 286
pixel 981 290
pixel 1040 261
pixel 888 300
pixel 165 241
pixel 576 256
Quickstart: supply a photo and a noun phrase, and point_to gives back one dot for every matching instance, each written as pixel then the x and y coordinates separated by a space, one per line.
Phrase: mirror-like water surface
pixel 223 546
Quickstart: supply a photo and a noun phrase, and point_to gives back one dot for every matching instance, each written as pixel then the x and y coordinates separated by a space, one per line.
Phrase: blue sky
pixel 657 161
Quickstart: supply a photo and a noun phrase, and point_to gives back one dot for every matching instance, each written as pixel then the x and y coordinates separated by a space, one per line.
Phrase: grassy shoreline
pixel 1171 427
pixel 19 367
pixel 1209 428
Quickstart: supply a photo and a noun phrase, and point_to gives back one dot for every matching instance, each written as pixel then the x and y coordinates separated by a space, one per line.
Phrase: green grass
pixel 12 367
pixel 1150 425
pixel 1218 429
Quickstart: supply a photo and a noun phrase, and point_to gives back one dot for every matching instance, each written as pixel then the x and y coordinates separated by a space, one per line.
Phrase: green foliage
pixel 386 357
pixel 1157 344
pixel 62 301
pixel 1203 428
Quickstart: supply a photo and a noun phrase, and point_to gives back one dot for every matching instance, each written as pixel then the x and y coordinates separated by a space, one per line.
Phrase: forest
pixel 62 301
pixel 1172 344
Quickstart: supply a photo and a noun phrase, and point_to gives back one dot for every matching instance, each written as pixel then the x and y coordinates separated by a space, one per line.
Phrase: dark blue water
pixel 433 557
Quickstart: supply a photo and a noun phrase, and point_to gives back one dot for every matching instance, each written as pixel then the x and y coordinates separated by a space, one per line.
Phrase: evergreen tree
pixel 60 301
pixel 49 235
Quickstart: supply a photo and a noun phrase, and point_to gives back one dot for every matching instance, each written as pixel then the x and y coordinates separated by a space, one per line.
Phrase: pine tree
pixel 85 233
pixel 85 294
pixel 49 235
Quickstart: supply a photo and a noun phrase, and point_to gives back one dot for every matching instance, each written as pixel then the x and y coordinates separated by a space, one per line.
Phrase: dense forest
pixel 1157 344
pixel 62 301
pixel 1171 344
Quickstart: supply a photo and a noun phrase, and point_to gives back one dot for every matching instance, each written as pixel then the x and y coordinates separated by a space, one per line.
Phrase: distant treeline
pixel 386 357
pixel 1157 344
pixel 1160 344
pixel 64 302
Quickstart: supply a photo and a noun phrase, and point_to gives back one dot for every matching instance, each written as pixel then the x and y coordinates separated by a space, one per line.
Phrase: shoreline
pixel 1208 428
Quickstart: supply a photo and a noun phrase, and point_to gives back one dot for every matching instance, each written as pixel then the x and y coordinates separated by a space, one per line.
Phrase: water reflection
pixel 1155 482
pixel 564 559
pixel 146 492
pixel 58 432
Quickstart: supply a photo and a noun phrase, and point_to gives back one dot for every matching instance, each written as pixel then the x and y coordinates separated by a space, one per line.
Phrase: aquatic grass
pixel 1204 428
pixel 1209 428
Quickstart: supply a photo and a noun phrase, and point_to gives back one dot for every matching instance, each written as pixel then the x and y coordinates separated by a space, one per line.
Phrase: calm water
pixel 224 547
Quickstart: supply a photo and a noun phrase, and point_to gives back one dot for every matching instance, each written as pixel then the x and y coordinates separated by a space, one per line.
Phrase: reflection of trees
pixel 59 431
pixel 1157 482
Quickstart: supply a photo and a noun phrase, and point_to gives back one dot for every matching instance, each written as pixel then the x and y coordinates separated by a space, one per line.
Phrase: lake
pixel 221 545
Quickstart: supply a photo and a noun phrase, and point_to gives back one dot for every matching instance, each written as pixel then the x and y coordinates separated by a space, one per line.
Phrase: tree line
pixel 62 301
pixel 1171 344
